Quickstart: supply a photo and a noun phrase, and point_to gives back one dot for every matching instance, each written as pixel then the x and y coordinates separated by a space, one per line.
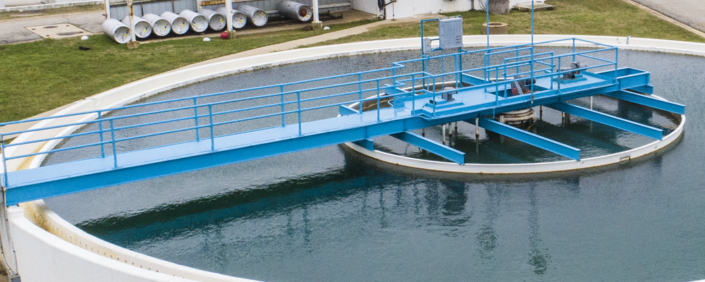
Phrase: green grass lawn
pixel 582 17
pixel 47 74
pixel 43 75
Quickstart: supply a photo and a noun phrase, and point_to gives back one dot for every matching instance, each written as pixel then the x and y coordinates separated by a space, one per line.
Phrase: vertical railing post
pixel 378 100
pixel 505 81
pixel 559 75
pixel 281 90
pixel 210 119
pixel 298 107
pixel 112 141
pixel 100 129
pixel 195 118
pixel 517 51
pixel 4 163
pixel 413 93
pixel 434 96
pixel 616 63
pixel 359 86
pixel 573 49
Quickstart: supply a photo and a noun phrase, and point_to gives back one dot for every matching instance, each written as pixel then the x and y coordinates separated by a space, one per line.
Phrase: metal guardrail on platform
pixel 290 94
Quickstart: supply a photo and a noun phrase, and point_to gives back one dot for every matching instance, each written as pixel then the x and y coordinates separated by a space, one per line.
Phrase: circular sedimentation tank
pixel 325 214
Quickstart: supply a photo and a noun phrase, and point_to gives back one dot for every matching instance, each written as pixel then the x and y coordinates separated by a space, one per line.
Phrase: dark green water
pixel 327 215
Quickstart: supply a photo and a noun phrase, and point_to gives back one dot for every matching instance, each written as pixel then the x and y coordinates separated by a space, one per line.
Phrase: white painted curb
pixel 92 261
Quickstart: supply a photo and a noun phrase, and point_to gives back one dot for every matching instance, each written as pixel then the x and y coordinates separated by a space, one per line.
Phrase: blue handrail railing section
pixel 290 94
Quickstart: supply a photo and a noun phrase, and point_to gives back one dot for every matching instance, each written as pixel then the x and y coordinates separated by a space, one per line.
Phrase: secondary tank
pixel 179 24
pixel 198 22
pixel 239 19
pixel 256 16
pixel 117 31
pixel 295 11
pixel 216 21
pixel 142 28
pixel 160 26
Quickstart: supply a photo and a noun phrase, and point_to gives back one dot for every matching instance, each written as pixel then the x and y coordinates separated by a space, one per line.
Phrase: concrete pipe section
pixel 216 21
pixel 239 18
pixel 142 28
pixel 179 24
pixel 198 22
pixel 117 31
pixel 256 16
pixel 295 11
pixel 160 26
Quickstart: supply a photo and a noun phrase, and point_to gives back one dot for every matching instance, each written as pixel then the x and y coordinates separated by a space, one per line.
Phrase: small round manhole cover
pixel 50 26
pixel 69 33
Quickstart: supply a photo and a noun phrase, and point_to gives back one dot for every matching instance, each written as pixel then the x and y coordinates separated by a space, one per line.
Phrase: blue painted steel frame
pixel 530 138
pixel 431 146
pixel 618 79
pixel 606 119
pixel 648 101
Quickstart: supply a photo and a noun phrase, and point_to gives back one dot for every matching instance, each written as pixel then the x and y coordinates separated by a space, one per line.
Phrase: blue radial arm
pixel 530 138
pixel 606 119
pixel 431 146
pixel 648 101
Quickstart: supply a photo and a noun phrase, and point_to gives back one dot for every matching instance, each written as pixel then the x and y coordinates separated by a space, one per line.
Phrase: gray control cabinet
pixel 450 33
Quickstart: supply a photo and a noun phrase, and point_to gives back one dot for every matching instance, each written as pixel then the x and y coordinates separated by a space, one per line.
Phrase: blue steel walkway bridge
pixel 358 107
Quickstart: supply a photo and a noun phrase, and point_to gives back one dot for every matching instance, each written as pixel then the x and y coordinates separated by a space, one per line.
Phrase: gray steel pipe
pixel 256 16
pixel 198 22
pixel 142 28
pixel 160 26
pixel 295 11
pixel 239 18
pixel 216 21
pixel 179 24
pixel 117 31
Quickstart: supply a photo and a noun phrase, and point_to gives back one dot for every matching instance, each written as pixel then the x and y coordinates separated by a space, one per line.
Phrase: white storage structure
pixel 295 11
pixel 179 24
pixel 160 26
pixel 198 22
pixel 142 28
pixel 117 31
pixel 216 21
pixel 239 19
pixel 256 16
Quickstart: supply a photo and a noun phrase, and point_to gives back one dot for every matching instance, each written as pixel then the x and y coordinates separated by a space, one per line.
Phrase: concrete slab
pixel 14 30
pixel 58 31
pixel 689 12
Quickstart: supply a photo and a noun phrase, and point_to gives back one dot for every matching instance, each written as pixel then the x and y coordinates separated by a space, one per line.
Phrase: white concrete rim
pixel 134 91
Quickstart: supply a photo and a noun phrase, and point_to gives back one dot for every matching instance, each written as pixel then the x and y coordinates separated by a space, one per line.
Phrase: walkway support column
pixel 316 24
pixel 133 40
pixel 229 18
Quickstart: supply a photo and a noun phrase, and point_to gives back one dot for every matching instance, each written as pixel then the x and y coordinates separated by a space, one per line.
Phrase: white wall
pixel 409 8
pixel 367 6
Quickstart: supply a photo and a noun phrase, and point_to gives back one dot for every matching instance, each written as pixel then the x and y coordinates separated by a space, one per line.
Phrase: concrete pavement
pixel 689 12
pixel 14 30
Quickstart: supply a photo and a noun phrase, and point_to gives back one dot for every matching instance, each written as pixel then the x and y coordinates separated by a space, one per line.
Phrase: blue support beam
pixel 606 119
pixel 648 101
pixel 368 144
pixel 471 79
pixel 431 146
pixel 530 138
pixel 344 110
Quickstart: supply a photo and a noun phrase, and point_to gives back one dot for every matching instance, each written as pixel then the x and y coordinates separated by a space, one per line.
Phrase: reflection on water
pixel 330 215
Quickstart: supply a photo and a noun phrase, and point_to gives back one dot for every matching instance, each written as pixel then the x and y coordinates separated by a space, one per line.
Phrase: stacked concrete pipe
pixel 179 24
pixel 256 16
pixel 198 22
pixel 216 21
pixel 142 27
pixel 239 18
pixel 160 26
